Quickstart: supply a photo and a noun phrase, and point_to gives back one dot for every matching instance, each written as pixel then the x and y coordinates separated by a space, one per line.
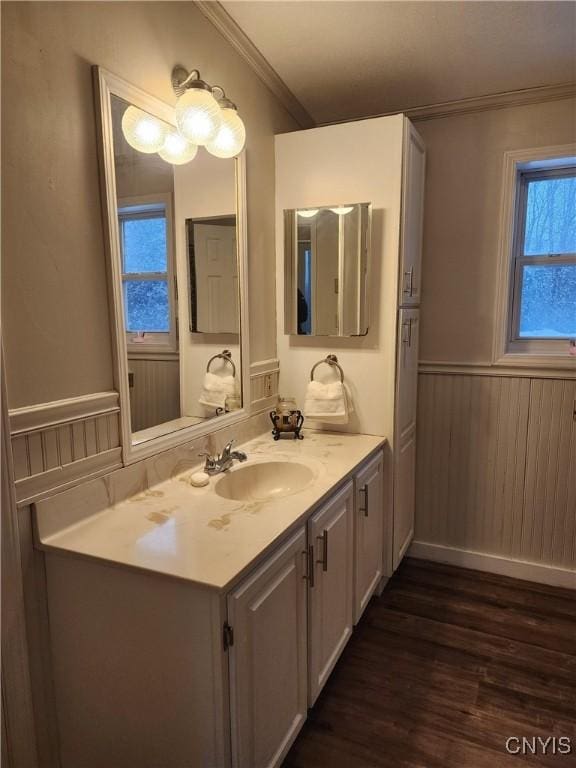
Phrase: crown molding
pixel 226 25
pixel 537 95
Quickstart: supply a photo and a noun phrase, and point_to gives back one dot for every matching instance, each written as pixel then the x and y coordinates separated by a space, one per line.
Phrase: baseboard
pixel 503 566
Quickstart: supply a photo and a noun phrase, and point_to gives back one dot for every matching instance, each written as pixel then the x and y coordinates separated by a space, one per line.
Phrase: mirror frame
pixel 106 84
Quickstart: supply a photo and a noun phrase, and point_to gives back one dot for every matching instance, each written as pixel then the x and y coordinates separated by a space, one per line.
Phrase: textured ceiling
pixel 345 59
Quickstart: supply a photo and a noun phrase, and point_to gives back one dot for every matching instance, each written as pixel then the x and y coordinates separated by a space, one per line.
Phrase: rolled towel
pixel 329 403
pixel 215 389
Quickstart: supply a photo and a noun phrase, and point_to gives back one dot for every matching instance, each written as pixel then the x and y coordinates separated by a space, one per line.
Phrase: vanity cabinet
pixel 369 522
pixel 267 638
pixel 152 671
pixel 330 621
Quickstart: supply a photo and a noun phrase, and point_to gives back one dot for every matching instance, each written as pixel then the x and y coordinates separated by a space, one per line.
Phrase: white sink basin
pixel 263 481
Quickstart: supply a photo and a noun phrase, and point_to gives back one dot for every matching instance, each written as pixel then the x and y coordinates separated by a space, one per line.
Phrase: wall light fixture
pixel 203 116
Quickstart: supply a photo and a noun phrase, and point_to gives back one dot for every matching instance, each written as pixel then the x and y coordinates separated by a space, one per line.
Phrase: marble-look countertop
pixel 192 533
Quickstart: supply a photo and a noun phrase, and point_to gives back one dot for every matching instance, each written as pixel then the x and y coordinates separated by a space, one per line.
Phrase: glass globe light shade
pixel 176 150
pixel 342 210
pixel 198 116
pixel 308 213
pixel 143 131
pixel 231 136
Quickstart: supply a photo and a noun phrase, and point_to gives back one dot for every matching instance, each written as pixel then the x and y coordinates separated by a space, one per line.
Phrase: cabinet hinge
pixel 227 635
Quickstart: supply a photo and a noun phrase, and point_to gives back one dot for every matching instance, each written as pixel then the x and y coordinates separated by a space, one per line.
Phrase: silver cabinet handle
pixel 364 509
pixel 324 540
pixel 408 288
pixel 406 332
pixel 308 555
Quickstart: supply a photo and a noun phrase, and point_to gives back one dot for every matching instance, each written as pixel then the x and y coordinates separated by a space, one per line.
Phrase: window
pixel 146 274
pixel 540 259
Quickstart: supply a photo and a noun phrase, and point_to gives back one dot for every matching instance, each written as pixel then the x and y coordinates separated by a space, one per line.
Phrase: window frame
pixel 161 341
pixel 510 349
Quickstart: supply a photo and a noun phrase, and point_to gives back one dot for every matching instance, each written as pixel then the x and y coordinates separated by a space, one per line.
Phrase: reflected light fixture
pixel 198 114
pixel 205 116
pixel 231 135
pixel 342 210
pixel 308 213
pixel 176 149
pixel 143 131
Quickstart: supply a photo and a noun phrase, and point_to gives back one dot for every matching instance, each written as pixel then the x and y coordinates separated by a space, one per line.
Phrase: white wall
pixel 202 189
pixel 355 162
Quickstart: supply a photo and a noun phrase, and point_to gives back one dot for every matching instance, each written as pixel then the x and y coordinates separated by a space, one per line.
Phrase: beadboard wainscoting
pixel 55 444
pixel 154 390
pixel 496 486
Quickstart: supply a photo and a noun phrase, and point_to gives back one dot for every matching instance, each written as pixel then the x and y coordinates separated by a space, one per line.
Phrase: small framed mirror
pixel 326 262
pixel 177 253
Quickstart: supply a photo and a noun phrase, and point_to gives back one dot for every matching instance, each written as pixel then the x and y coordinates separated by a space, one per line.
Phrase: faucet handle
pixel 228 447
pixel 209 462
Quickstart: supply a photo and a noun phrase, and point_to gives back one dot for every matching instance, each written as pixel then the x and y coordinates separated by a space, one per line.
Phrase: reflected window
pixel 145 252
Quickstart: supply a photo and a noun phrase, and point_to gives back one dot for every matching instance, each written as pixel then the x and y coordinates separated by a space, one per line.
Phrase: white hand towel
pixel 215 389
pixel 329 403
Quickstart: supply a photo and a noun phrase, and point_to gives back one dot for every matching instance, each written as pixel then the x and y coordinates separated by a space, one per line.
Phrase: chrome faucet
pixel 216 464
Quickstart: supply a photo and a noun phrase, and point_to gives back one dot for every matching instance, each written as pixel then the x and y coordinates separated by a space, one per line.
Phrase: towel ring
pixel 225 355
pixel 331 360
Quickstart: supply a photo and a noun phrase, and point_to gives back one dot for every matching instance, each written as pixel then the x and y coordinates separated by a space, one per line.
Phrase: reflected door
pixel 217 278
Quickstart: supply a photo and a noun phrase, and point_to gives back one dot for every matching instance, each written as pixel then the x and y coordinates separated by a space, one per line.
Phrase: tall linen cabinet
pixel 381 161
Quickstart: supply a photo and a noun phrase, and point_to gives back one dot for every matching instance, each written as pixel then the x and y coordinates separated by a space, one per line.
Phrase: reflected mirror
pixel 326 255
pixel 175 268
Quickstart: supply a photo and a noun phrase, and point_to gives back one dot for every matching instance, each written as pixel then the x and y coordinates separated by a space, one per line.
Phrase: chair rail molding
pixel 427 367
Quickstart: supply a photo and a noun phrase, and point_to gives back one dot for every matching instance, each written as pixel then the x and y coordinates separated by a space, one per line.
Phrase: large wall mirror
pixel 326 258
pixel 177 270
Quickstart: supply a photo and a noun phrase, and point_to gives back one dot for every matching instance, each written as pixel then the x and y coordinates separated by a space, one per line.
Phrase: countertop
pixel 191 533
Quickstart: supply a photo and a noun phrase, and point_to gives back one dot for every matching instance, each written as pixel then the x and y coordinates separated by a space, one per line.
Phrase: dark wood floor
pixel 442 669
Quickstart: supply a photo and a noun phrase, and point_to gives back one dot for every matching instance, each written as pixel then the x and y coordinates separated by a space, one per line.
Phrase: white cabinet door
pixel 369 517
pixel 267 614
pixel 404 497
pixel 414 167
pixel 330 533
pixel 407 373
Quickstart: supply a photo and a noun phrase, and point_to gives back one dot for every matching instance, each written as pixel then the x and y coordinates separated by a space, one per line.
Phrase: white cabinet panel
pixel 330 533
pixel 368 529
pixel 268 658
pixel 412 217
pixel 404 497
pixel 407 372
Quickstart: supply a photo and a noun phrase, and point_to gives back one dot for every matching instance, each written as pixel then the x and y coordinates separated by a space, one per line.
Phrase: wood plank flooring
pixel 442 669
